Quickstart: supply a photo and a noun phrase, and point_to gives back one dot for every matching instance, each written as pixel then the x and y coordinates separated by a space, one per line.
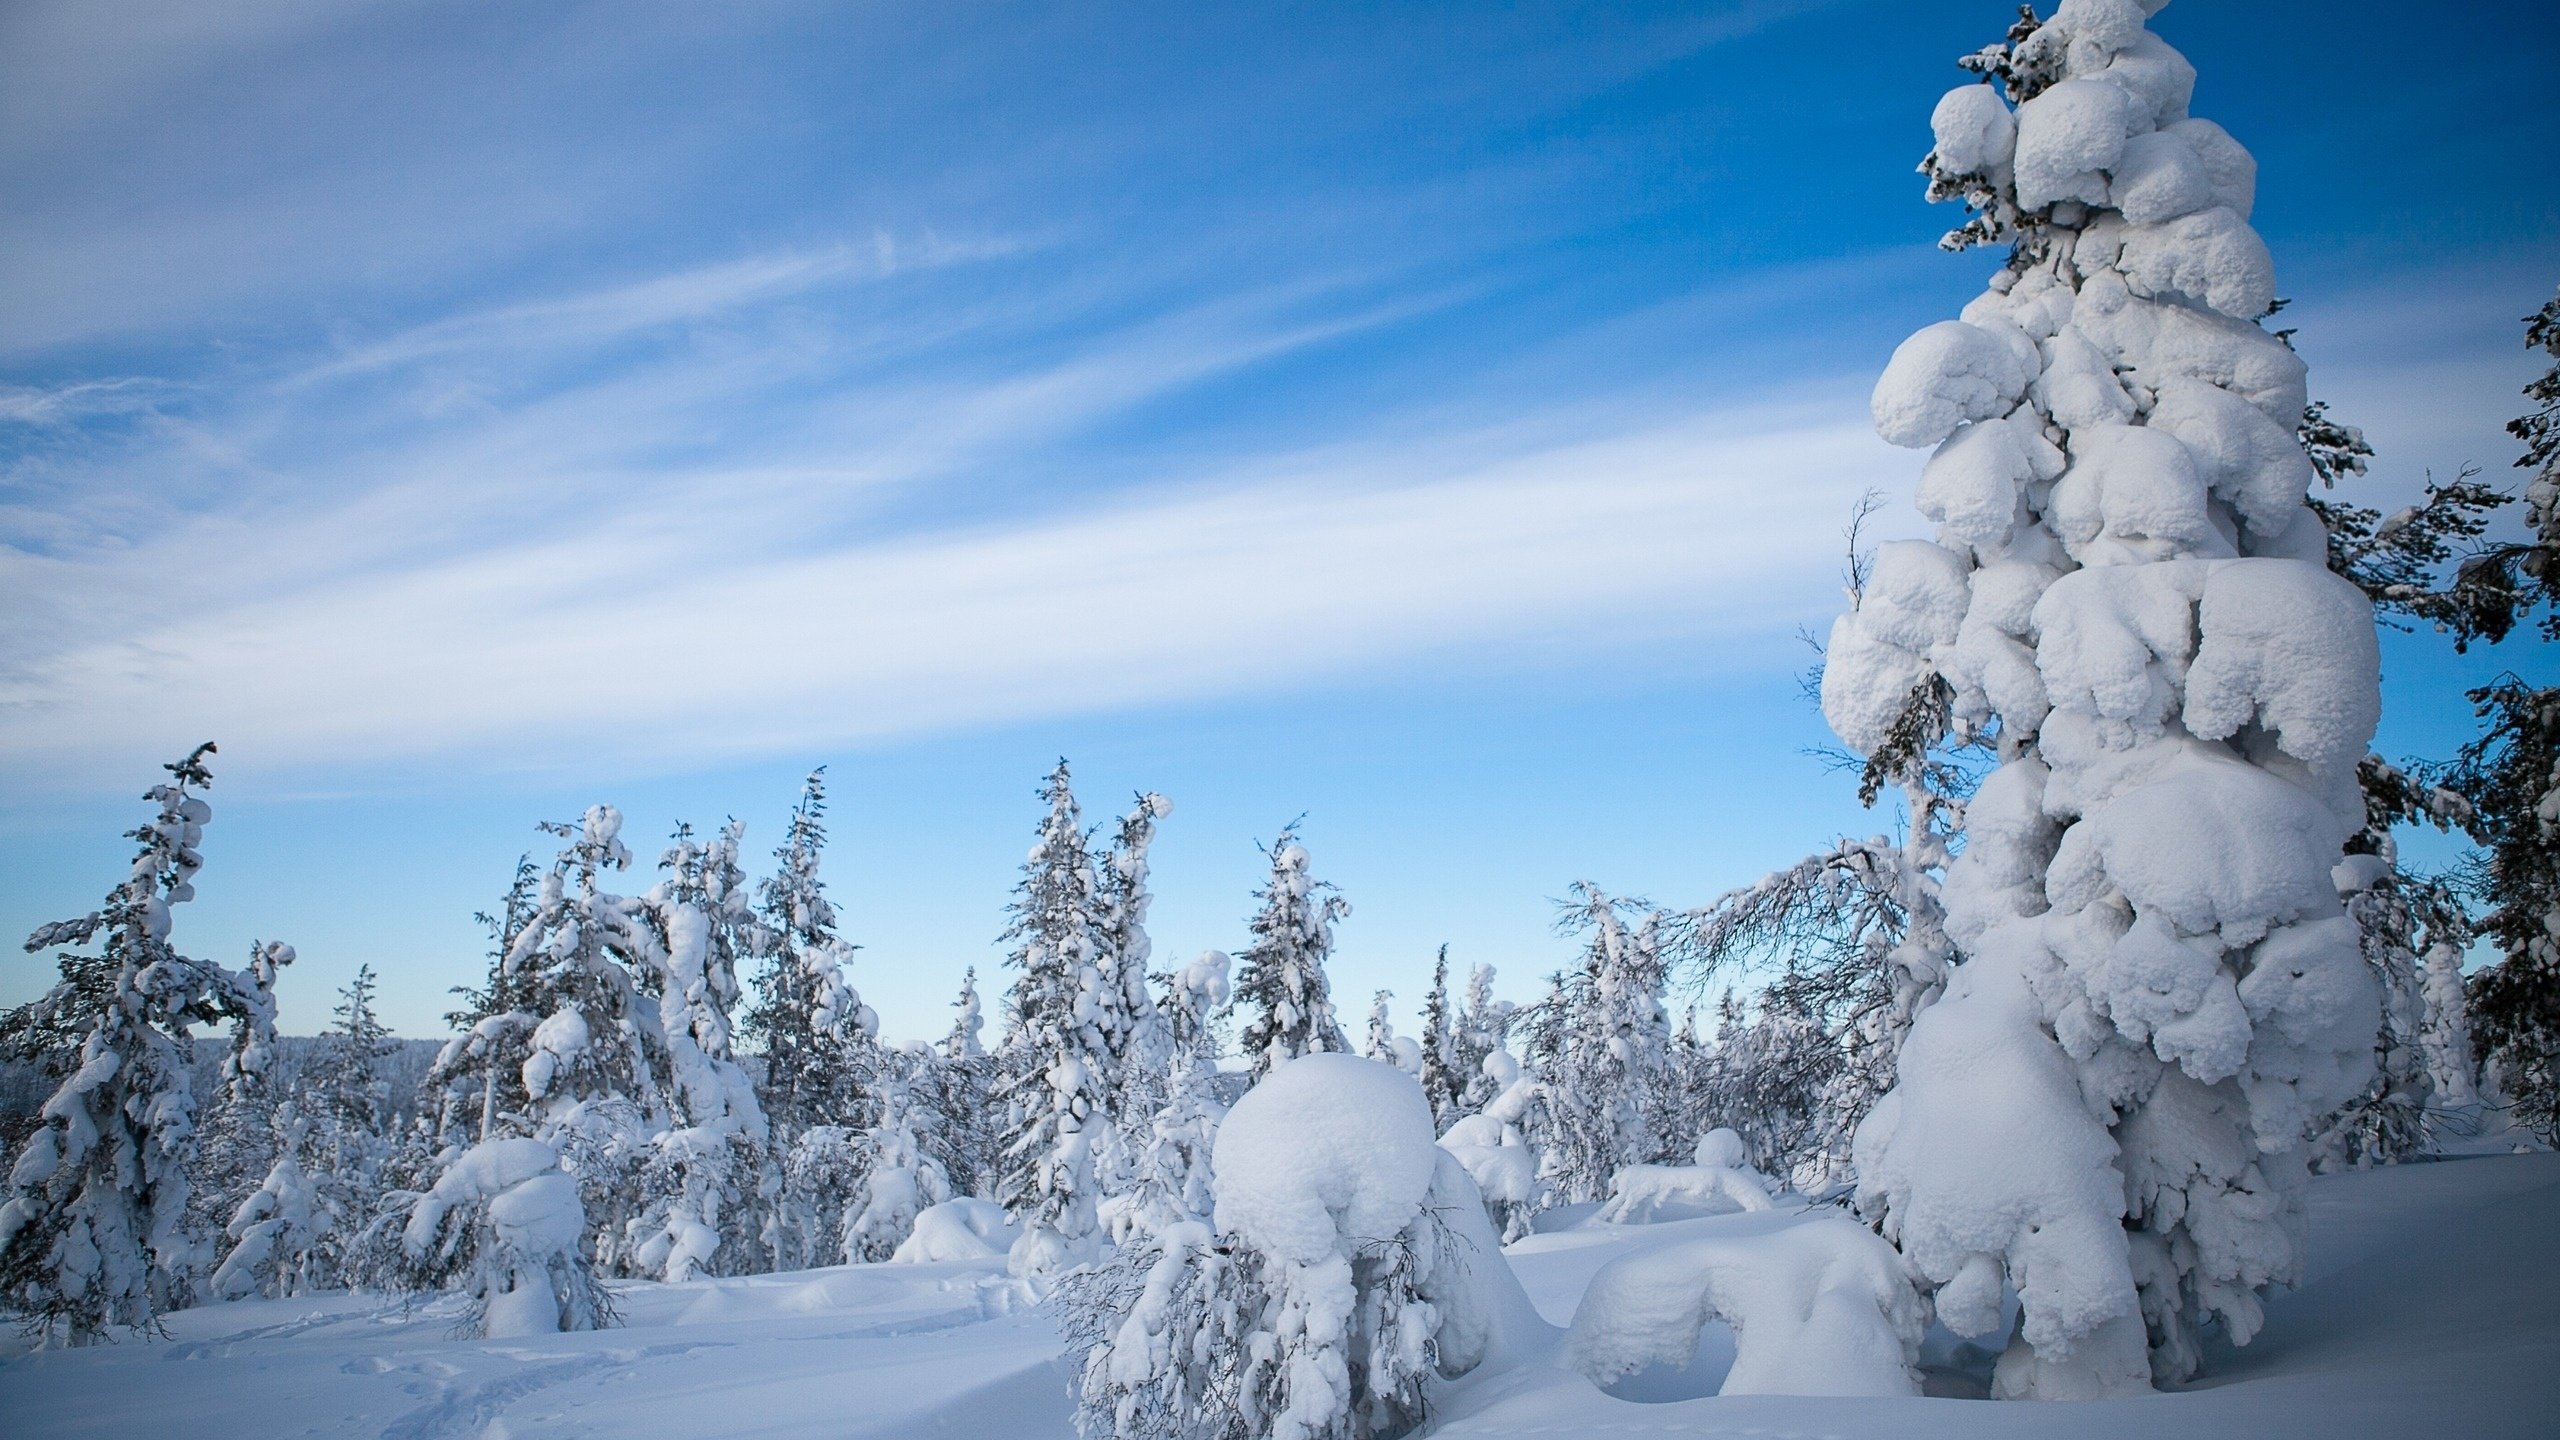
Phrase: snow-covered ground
pixel 2431 1307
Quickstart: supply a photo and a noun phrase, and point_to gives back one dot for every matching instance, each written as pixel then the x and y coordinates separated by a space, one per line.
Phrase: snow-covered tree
pixel 92 1234
pixel 478 1076
pixel 704 1175
pixel 1135 1033
pixel 819 1187
pixel 1283 979
pixel 351 1089
pixel 578 1038
pixel 277 1233
pixel 1444 1081
pixel 2511 776
pixel 2129 601
pixel 1170 1165
pixel 1482 1029
pixel 1605 1045
pixel 1349 1270
pixel 1194 996
pixel 1383 1043
pixel 814 1030
pixel 502 1224
pixel 965 1135
pixel 900 1176
pixel 1055 1071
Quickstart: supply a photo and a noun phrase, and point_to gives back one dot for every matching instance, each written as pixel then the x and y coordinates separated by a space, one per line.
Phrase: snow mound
pixel 966 1229
pixel 1821 1308
pixel 1639 1193
pixel 1327 1146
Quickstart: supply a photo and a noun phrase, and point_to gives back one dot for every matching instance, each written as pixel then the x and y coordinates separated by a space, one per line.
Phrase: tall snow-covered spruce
pixel 2160 992
pixel 92 1233
pixel 1055 1076
pixel 1283 977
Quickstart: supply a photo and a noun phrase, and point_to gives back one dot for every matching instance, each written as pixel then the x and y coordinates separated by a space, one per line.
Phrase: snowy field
pixel 2429 1307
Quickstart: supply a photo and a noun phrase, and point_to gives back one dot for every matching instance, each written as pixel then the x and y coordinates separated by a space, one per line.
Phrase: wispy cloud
pixel 636 639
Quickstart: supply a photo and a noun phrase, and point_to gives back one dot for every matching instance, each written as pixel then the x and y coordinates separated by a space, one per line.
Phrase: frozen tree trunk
pixel 2160 992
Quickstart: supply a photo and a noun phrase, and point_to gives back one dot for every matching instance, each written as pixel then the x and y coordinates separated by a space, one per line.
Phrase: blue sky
pixel 1433 420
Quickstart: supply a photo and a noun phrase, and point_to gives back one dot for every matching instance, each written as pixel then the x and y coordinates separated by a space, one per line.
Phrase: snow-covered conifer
pixel 966 1135
pixel 1383 1043
pixel 704 1174
pixel 92 1234
pixel 814 1030
pixel 1055 1071
pixel 502 1224
pixel 900 1176
pixel 1444 1080
pixel 2511 776
pixel 1607 1039
pixel 1349 1270
pixel 276 1234
pixel 478 1076
pixel 2128 600
pixel 1194 996
pixel 1483 1028
pixel 1283 978
pixel 1139 1045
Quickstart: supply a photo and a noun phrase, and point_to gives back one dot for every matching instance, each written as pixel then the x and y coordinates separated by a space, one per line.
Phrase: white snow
pixel 2425 1308
pixel 1818 1308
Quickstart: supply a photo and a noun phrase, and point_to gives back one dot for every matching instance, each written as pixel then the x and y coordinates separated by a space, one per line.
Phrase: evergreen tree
pixel 816 1034
pixel 1605 1046
pixel 2511 776
pixel 1482 1029
pixel 702 1176
pixel 1283 978
pixel 1444 1081
pixel 2128 603
pixel 92 1235
pixel 279 1231
pixel 900 1175
pixel 1057 1063
pixel 478 1076
pixel 964 1136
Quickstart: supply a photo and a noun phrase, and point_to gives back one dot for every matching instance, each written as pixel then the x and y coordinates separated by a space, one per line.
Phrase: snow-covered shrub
pixel 819 1185
pixel 93 1234
pixel 502 1224
pixel 276 1234
pixel 1170 1162
pixel 2128 600
pixel 1818 1308
pixel 1494 1147
pixel 1348 1265
pixel 1283 979
pixel 961 1229
pixel 1719 1181
pixel 900 1180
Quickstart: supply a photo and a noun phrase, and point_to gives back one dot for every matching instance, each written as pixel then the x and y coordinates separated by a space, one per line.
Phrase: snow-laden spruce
pixel 502 1225
pixel 1612 1035
pixel 1348 1269
pixel 1283 979
pixel 705 1173
pixel 812 1027
pixel 92 1235
pixel 1056 1082
pixel 2160 992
